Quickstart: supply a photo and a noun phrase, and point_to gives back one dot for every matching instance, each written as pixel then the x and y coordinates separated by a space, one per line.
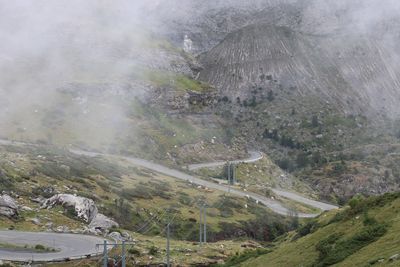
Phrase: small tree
pixel 270 96
pixel 314 121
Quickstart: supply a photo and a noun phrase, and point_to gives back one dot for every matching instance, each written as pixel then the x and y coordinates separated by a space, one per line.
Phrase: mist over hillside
pixel 55 44
pixel 277 120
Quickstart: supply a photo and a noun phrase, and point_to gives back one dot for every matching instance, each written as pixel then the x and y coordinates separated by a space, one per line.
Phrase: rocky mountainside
pixel 310 82
pixel 301 47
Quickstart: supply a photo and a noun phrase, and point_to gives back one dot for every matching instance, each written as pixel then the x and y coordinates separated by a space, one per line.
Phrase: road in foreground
pixel 67 246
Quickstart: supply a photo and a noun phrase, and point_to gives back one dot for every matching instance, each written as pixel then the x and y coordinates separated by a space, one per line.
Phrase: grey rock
pixel 26 208
pixel 62 229
pixel 85 208
pixel 126 236
pixel 39 200
pixel 116 236
pixel 8 206
pixel 102 222
pixel 394 257
pixel 35 221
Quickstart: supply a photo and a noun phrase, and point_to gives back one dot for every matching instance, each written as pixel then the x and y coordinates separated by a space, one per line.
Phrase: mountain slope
pixel 348 76
pixel 365 234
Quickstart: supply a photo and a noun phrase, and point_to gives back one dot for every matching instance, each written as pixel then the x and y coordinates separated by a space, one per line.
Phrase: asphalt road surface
pixel 254 156
pixel 270 203
pixel 75 246
pixel 67 246
pixel 274 205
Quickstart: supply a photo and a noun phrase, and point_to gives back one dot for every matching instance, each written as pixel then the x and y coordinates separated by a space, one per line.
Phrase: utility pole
pixel 229 177
pixel 168 263
pixel 123 260
pixel 105 256
pixel 201 235
pixel 205 225
pixel 113 245
pixel 234 169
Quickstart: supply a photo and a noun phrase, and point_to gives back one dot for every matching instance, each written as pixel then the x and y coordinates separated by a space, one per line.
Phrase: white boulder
pixel 85 208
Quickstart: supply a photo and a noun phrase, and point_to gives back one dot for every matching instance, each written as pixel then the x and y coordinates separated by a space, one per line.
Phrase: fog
pixel 47 45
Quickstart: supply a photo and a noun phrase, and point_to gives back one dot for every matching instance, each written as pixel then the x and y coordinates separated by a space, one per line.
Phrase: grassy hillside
pixel 133 196
pixel 365 233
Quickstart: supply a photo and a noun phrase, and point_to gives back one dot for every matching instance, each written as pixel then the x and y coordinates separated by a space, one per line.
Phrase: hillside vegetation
pixel 365 233
pixel 141 201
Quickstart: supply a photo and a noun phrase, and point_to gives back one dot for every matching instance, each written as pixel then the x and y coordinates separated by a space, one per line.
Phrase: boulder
pixel 394 257
pixel 49 225
pixel 62 229
pixel 85 208
pixel 126 236
pixel 35 221
pixel 116 236
pixel 8 206
pixel 26 208
pixel 102 222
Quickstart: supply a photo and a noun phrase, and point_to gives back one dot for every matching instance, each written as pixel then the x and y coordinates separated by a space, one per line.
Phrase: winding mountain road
pixel 68 246
pixel 74 245
pixel 254 156
pixel 274 205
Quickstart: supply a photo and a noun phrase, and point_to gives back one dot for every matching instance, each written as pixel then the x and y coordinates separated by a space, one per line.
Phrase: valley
pixel 201 133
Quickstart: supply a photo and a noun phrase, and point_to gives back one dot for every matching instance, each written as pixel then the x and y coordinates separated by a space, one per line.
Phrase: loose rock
pixel 8 206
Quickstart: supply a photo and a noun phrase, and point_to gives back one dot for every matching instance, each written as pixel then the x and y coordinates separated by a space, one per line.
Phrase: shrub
pixel 39 247
pixel 270 96
pixel 6 183
pixel 153 250
pixel 333 249
pixel 307 228
pixel 184 199
pixel 314 121
pixel 134 251
pixel 140 191
pixel 286 164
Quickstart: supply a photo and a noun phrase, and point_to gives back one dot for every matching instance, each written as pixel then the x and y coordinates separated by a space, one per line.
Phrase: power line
pixel 154 222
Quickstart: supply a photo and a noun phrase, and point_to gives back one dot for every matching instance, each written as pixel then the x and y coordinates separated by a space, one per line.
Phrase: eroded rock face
pixel 85 208
pixel 8 206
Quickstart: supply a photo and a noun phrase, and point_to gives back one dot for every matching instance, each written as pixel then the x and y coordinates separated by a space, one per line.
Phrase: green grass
pixel 38 248
pixel 179 82
pixel 353 236
pixel 124 192
pixel 242 257
pixel 118 189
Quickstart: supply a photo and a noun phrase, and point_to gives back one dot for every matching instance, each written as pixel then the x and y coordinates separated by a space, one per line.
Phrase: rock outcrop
pixel 102 222
pixel 8 206
pixel 85 208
